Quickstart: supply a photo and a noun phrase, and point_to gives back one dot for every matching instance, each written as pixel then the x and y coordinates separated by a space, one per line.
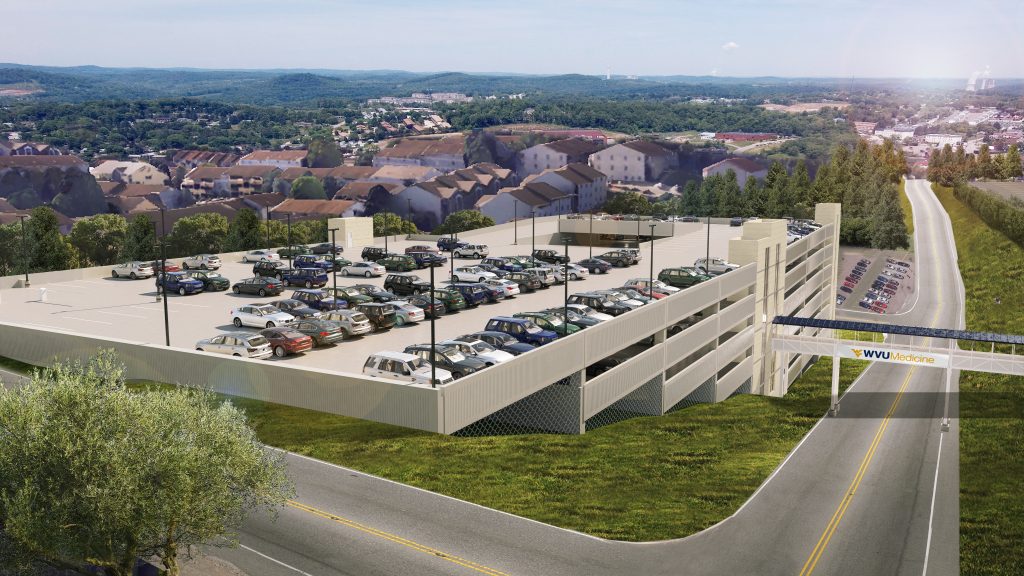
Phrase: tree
pixel 48 249
pixel 323 153
pixel 986 168
pixel 245 232
pixel 140 240
pixel 202 233
pixel 99 239
pixel 754 196
pixel 627 203
pixel 690 202
pixel 886 228
pixel 10 249
pixel 387 223
pixel 80 195
pixel 309 231
pixel 308 188
pixel 462 221
pixel 143 474
pixel 1011 167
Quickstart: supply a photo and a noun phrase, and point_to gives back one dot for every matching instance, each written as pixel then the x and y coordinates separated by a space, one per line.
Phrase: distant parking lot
pixel 128 309
pixel 876 278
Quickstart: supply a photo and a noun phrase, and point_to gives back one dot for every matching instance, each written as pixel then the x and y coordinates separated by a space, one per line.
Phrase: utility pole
pixel 290 247
pixel 565 283
pixel 163 272
pixel 334 271
pixel 650 283
pixel 590 236
pixel 533 234
pixel 268 228
pixel 433 330
pixel 24 249
pixel 515 222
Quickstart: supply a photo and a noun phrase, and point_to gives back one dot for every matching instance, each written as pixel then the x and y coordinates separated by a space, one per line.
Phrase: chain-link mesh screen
pixel 644 401
pixel 744 388
pixel 704 394
pixel 554 409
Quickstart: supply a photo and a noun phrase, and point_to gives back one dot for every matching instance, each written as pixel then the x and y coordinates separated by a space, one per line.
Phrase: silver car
pixel 353 322
pixel 364 269
pixel 260 316
pixel 406 313
pixel 260 256
pixel 202 262
pixel 244 345
pixel 133 270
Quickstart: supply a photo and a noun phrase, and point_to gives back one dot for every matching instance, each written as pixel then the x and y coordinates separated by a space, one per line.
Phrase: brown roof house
pixel 539 198
pixel 587 187
pixel 742 167
pixel 316 209
pixel 445 153
pixel 541 157
pixel 636 161
pixel 281 159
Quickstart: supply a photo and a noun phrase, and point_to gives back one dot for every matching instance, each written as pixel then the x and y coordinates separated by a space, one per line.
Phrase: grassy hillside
pixel 991 405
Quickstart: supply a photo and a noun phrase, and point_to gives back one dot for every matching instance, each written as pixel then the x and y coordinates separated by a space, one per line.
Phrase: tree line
pixel 864 180
pixel 949 166
pixel 1006 216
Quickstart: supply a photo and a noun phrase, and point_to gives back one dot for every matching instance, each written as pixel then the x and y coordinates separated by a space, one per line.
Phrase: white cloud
pixel 730 46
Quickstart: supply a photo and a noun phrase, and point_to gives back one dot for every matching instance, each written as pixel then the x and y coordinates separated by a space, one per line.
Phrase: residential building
pixel 316 209
pixel 432 201
pixel 158 195
pixel 211 182
pixel 25 163
pixel 743 167
pixel 943 139
pixel 587 187
pixel 405 175
pixel 444 153
pixel 128 172
pixel 9 148
pixel 489 175
pixel 189 159
pixel 263 203
pixel 746 136
pixel 865 128
pixel 281 159
pixel 541 157
pixel 636 161
pixel 533 198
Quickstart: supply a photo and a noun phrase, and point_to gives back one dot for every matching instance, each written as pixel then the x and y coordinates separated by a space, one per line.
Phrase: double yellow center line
pixel 397 539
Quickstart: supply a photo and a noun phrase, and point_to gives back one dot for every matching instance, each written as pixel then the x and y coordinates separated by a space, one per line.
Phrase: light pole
pixel 515 222
pixel 386 227
pixel 707 255
pixel 163 271
pixel 268 228
pixel 433 331
pixel 533 233
pixel 24 249
pixel 290 247
pixel 565 283
pixel 650 283
pixel 590 236
pixel 334 271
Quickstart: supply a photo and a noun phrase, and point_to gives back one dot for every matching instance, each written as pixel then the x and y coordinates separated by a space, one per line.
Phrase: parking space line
pixel 190 305
pixel 144 308
pixel 125 315
pixel 86 320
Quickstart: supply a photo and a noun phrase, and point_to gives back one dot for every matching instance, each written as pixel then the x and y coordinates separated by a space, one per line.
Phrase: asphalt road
pixel 873 491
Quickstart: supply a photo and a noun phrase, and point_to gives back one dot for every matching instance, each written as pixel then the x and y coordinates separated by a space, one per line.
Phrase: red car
pixel 171 267
pixel 882 305
pixel 285 341
pixel 421 248
pixel 848 284
pixel 657 295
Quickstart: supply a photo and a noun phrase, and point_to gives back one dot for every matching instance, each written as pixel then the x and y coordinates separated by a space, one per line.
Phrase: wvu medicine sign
pixel 895 356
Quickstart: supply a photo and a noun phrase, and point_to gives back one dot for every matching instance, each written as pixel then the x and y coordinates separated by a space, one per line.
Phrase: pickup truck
pixel 307 277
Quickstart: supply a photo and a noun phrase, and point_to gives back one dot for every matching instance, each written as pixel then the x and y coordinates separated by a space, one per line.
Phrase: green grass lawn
pixel 991 405
pixel 908 211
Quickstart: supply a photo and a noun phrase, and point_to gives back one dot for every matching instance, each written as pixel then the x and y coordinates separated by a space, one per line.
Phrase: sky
pixel 822 38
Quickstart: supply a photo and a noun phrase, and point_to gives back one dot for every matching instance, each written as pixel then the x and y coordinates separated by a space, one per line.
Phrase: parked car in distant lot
pixel 201 262
pixel 236 344
pixel 296 308
pixel 584 310
pixel 550 256
pixel 285 341
pixel 470 251
pixel 573 318
pixel 522 329
pixel 364 269
pixel 617 258
pixel 406 313
pixel 349 294
pixel 432 307
pixel 576 272
pixel 398 263
pixel 421 248
pixel 326 248
pixel 312 261
pixel 595 265
pixel 452 299
pixel 658 285
pixel 374 253
pixel 447 243
pixel 475 294
pixel 293 251
pixel 447 357
pixel 405 367
pixel 318 299
pixel 405 284
pixel 427 259
pixel 259 285
pixel 736 221
pixel 599 302
pixel 376 293
pixel 269 268
pixel 501 341
pixel 527 282
pixel 511 288
pixel 133 270
pixel 161 266
pixel 382 316
pixel 260 316
pixel 546 276
pixel 179 282
pixel 476 348
pixel 321 330
pixel 352 322
pixel 308 277
pixel 212 281
pixel 689 219
pixel 717 266
pixel 683 277
pixel 471 274
pixel 260 256
pixel 502 263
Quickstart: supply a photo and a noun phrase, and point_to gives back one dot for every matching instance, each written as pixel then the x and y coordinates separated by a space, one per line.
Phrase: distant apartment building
pixel 9 148
pixel 742 167
pixel 189 159
pixel 898 133
pixel 281 159
pixel 541 157
pixel 404 174
pixel 444 154
pixel 212 182
pixel 128 172
pixel 865 128
pixel 636 161
pixel 943 139
pixel 585 187
pixel 27 164
pixel 533 198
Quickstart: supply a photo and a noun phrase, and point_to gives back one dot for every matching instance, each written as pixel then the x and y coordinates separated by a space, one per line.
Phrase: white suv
pixel 405 367
pixel 260 256
pixel 245 345
pixel 202 262
pixel 480 350
pixel 471 250
pixel 133 270
pixel 472 274
pixel 260 316
pixel 718 266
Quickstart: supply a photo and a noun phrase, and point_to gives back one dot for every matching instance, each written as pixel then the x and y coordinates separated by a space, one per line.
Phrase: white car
pixel 472 274
pixel 480 350
pixel 261 256
pixel 659 286
pixel 471 251
pixel 511 288
pixel 202 262
pixel 577 272
pixel 245 345
pixel 546 275
pixel 718 266
pixel 584 310
pixel 406 313
pixel 260 316
pixel 405 367
pixel 133 270
pixel 364 269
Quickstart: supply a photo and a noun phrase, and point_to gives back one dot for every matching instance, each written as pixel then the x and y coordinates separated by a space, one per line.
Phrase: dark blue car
pixel 319 300
pixel 521 329
pixel 425 259
pixel 501 341
pixel 311 261
pixel 499 263
pixel 179 282
pixel 474 293
pixel 447 243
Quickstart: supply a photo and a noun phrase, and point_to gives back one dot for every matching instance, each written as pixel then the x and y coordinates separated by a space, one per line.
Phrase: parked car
pixel 846 289
pixel 259 286
pixel 501 263
pixel 617 258
pixel 493 270
pixel 293 251
pixel 236 344
pixel 405 367
pixel 501 341
pixel 308 277
pixel 546 276
pixel 376 293
pixel 527 282
pixel 159 266
pixel 658 285
pixel 574 318
pixel 447 357
pixel 337 262
pixel 432 307
pixel 522 329
pixel 364 269
pixel 321 330
pixel 382 316
pixel 576 272
pixel 405 284
pixel 421 248
pixel 475 294
pixel 689 219
pixel 260 256
pixel 635 252
pixel 584 310
pixel 644 292
pixel 133 270
pixel 736 221
pixel 683 277
pixel 599 302
pixel 447 243
pixel 549 321
pixel 326 248
pixel 374 253
pixel 427 259
pixel 352 322
pixel 318 299
pixel 406 313
pixel 510 288
pixel 620 297
pixel 296 308
pixel 470 251
pixel 269 268
pixel 595 265
pixel 452 299
pixel 398 263
pixel 312 261
pixel 480 350
pixel 550 256
pixel 639 296
pixel 471 274
pixel 201 262
pixel 717 266
pixel 212 281
pixel 285 341
pixel 349 294
pixel 179 282
pixel 260 316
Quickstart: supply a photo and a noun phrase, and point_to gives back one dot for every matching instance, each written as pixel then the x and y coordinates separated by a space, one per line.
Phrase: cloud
pixel 730 46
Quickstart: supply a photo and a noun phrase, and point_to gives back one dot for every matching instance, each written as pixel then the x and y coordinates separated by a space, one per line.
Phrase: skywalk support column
pixel 764 242
pixel 944 425
pixel 825 214
pixel 834 406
